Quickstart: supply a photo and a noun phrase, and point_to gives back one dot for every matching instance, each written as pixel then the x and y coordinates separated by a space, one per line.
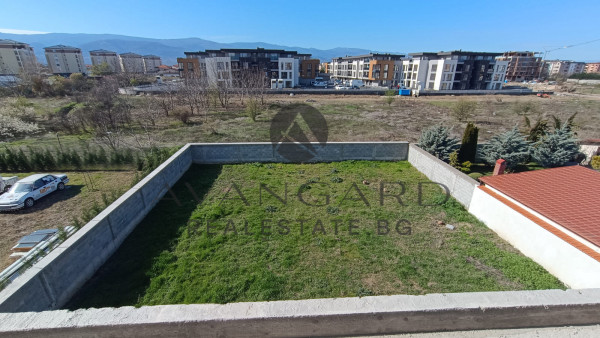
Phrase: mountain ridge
pixel 168 49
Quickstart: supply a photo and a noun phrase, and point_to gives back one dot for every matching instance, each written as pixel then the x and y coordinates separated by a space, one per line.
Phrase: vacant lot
pixel 342 229
pixel 349 118
pixel 59 208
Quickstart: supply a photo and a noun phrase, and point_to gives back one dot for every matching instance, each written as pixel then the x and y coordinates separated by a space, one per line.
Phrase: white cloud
pixel 20 31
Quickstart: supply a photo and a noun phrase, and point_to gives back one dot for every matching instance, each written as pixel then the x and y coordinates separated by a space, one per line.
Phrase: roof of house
pixel 103 51
pixel 569 196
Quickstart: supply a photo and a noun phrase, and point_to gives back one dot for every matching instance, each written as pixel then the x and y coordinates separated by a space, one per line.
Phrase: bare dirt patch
pixel 59 208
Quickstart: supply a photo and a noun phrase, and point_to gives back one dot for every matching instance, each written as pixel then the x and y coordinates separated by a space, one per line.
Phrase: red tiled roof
pixel 569 196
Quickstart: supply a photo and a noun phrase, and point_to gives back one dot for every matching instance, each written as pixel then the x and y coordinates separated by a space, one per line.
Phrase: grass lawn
pixel 256 248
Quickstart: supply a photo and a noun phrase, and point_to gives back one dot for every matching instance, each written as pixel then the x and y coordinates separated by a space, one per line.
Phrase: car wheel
pixel 29 202
pixel 61 186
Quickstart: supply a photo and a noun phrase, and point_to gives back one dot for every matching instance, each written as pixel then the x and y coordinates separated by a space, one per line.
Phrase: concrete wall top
pixel 324 317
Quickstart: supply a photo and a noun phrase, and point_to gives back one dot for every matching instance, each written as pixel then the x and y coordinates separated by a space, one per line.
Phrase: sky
pixel 387 26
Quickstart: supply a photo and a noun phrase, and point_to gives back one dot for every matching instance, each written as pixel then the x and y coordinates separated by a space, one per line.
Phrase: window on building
pixel 434 68
pixel 447 67
pixel 416 68
pixel 284 75
pixel 288 66
pixel 432 77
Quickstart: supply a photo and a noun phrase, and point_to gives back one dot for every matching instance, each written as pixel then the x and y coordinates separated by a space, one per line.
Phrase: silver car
pixel 30 189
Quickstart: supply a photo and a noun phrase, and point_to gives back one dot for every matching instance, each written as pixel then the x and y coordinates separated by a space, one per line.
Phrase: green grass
pixel 170 258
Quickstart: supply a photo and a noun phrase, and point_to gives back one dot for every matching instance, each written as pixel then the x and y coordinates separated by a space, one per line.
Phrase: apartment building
pixel 281 68
pixel 326 67
pixel 16 57
pixel 562 68
pixel 373 69
pixel 309 69
pixel 131 63
pixel 151 63
pixel 65 60
pixel 523 66
pixel 455 70
pixel 101 56
pixel 593 67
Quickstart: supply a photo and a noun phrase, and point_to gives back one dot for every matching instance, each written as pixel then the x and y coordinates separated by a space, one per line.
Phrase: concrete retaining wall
pixel 52 281
pixel 211 153
pixel 461 186
pixel 569 264
pixel 319 317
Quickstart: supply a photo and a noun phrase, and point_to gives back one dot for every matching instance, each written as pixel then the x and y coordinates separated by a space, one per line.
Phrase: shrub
pixel 252 109
pixel 463 109
pixel 182 114
pixel 437 141
pixel 595 162
pixel 389 96
pixel 556 148
pixel 468 147
pixel 453 159
pixel 510 146
pixel 465 167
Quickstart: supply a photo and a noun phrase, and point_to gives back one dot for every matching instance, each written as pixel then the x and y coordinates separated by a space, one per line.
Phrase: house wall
pixel 572 266
pixel 16 58
pixel 459 185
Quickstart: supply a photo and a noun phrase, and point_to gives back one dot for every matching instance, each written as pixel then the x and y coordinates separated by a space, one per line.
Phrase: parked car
pixel 342 87
pixel 25 192
pixel 7 182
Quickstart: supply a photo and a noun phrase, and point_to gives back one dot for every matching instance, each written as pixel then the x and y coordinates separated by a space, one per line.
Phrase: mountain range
pixel 168 49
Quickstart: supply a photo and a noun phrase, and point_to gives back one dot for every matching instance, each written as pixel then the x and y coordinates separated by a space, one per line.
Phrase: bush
pixel 463 109
pixel 510 146
pixel 557 148
pixel 468 147
pixel 389 96
pixel 595 162
pixel 182 114
pixel 252 109
pixel 437 141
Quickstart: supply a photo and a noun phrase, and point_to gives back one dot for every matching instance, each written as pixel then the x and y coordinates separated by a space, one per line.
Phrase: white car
pixel 342 87
pixel 30 189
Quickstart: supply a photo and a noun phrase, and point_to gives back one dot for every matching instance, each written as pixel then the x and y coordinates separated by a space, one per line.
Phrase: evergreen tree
pixel 556 148
pixel 437 141
pixel 510 146
pixel 468 147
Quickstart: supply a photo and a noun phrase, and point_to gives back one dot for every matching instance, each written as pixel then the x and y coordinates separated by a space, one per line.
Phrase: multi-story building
pixel 65 60
pixel 562 68
pixel 102 56
pixel 151 63
pixel 523 66
pixel 593 67
pixel 309 68
pixel 325 66
pixel 16 57
pixel 372 69
pixel 281 68
pixel 131 63
pixel 455 70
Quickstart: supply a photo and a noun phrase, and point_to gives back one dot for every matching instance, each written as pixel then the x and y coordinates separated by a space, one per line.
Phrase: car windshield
pixel 21 187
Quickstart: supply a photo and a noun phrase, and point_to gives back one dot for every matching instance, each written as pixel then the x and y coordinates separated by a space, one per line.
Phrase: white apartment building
pixel 101 56
pixel 151 63
pixel 131 63
pixel 373 69
pixel 289 69
pixel 64 60
pixel 456 70
pixel 16 57
pixel 563 68
pixel 218 69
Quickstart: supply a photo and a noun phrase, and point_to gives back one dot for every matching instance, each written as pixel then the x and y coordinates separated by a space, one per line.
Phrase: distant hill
pixel 168 49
